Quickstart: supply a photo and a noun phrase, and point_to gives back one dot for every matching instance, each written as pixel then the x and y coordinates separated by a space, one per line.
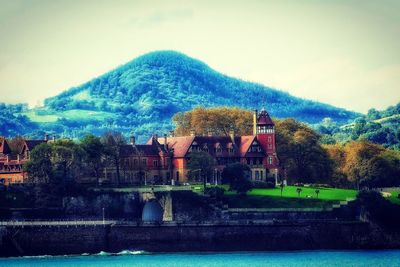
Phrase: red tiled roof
pixel 30 144
pixel 4 147
pixel 152 148
pixel 180 144
pixel 245 143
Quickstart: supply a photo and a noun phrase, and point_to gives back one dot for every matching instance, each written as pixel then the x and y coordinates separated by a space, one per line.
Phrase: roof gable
pixel 4 147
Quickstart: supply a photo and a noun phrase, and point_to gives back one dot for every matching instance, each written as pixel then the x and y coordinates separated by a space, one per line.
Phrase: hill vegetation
pixel 144 94
pixel 380 127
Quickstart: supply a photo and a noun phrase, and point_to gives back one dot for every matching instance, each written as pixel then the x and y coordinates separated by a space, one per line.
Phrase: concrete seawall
pixel 67 239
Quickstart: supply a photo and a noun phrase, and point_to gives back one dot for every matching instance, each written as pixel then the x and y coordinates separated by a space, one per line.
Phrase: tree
pixel 358 160
pixel 301 153
pixel 112 150
pixel 282 185
pixel 298 190
pixel 201 163
pixel 218 120
pixel 39 167
pixel 66 159
pixel 337 155
pixel 236 175
pixel 93 151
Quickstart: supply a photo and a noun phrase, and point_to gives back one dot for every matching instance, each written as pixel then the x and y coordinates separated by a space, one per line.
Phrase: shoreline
pixel 152 238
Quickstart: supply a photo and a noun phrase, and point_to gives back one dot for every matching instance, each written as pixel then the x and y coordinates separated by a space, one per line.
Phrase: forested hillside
pixel 380 127
pixel 143 95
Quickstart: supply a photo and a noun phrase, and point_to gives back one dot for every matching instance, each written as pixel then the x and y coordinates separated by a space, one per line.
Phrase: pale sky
pixel 345 53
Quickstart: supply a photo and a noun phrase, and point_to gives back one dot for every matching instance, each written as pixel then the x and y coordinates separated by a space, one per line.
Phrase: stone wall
pixel 60 240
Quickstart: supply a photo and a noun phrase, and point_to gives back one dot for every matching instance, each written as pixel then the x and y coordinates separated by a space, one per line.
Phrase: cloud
pixel 160 17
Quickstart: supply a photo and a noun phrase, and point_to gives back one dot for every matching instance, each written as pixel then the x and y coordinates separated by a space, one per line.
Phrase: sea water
pixel 373 258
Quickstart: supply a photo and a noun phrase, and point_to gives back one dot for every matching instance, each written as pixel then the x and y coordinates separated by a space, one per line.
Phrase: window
pixel 155 163
pixel 270 146
pixel 144 162
pixel 177 176
pixel 205 148
pixel 269 139
pixel 270 160
pixel 218 149
pixel 261 175
pixel 257 175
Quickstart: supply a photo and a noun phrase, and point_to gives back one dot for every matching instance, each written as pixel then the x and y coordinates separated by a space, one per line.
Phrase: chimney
pixel 18 158
pixel 192 133
pixel 255 122
pixel 232 135
pixel 132 140
pixel 46 137
pixel 165 142
pixel 171 133
pixel 155 136
pixel 210 133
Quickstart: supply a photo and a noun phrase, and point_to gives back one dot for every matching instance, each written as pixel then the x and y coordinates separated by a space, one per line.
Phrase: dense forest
pixel 144 94
pixel 380 127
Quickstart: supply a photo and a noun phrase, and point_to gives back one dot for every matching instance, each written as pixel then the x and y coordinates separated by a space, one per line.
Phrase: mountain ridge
pixel 143 94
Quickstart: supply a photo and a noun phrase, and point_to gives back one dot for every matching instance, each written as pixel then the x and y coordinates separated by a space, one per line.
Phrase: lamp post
pixel 104 219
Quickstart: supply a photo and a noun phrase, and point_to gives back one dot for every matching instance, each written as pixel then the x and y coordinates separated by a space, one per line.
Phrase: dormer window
pixel 255 147
pixel 218 148
pixel 194 147
pixel 205 148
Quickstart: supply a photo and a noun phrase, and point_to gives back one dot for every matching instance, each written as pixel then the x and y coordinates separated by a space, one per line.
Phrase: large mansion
pixel 164 159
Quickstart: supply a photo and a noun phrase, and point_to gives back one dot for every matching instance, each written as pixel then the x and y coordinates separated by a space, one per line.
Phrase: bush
pixel 215 192
pixel 378 209
pixel 260 184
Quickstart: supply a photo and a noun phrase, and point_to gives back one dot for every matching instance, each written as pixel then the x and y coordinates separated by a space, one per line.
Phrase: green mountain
pixel 143 95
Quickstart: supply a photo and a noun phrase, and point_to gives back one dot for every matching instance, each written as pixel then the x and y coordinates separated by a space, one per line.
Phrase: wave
pixel 121 253
pixel 101 253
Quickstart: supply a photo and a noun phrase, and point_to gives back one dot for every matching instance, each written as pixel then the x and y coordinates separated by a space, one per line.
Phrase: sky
pixel 345 53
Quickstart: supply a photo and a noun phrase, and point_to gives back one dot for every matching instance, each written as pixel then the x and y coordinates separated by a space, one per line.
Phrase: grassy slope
pixel 73 114
pixel 271 198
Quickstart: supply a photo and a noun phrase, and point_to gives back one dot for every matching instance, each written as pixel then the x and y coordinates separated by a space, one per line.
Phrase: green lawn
pixel 335 194
pixel 271 198
pixel 393 198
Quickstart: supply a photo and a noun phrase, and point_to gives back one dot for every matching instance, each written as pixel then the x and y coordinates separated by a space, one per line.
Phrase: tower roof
pixel 264 118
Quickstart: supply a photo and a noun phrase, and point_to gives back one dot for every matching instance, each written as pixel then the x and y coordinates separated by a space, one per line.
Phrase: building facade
pixel 164 159
pixel 12 164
